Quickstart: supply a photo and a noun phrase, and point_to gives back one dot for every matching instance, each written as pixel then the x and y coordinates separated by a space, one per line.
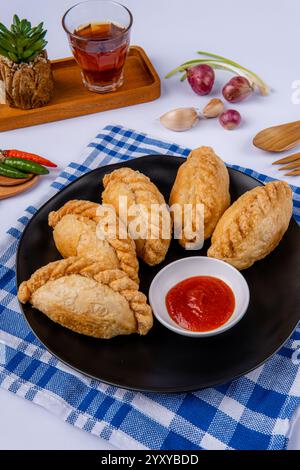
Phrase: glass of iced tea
pixel 99 34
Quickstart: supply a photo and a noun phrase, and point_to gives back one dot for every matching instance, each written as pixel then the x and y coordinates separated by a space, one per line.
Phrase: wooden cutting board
pixel 71 99
pixel 12 190
pixel 4 181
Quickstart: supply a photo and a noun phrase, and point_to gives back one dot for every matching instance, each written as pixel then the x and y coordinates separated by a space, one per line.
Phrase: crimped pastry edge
pixel 125 247
pixel 153 251
pixel 116 279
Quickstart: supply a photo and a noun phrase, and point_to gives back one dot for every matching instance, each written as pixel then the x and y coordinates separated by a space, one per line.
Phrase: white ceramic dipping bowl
pixel 197 266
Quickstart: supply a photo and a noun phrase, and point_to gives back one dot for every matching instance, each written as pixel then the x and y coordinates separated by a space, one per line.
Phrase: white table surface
pixel 262 36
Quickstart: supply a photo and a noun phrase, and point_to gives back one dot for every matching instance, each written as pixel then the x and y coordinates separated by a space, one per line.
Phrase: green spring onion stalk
pixel 222 63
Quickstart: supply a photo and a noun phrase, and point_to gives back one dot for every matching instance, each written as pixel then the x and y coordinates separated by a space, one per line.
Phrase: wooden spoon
pixel 278 138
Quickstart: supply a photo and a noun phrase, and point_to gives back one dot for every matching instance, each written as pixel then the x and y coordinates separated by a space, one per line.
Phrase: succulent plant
pixel 22 43
pixel 26 79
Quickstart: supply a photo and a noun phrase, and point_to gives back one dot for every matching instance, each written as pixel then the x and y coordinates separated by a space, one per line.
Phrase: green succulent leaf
pixel 14 29
pixel 5 36
pixel 4 29
pixel 27 53
pixel 22 43
pixel 25 26
pixel 13 56
pixel 7 45
pixel 19 46
pixel 16 20
pixel 33 56
pixel 3 52
pixel 39 45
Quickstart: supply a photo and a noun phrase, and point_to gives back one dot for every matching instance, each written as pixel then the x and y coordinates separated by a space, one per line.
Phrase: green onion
pixel 222 63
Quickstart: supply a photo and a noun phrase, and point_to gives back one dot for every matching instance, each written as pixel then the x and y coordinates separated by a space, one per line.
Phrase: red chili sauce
pixel 200 303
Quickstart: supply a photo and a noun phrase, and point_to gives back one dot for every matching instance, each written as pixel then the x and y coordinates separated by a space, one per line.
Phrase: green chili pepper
pixel 25 165
pixel 11 172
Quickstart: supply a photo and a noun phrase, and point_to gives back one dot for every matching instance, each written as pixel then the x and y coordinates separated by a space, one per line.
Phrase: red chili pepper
pixel 28 156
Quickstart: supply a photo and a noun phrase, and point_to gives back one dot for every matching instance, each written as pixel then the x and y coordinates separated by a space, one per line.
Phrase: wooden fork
pixel 290 162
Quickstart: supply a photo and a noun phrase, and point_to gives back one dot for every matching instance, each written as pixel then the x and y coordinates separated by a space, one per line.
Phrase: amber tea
pixel 101 54
pixel 99 47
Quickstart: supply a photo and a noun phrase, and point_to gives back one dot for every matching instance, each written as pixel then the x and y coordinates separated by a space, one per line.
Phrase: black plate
pixel 163 361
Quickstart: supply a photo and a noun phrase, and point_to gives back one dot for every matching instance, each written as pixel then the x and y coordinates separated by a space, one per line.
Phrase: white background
pixel 262 35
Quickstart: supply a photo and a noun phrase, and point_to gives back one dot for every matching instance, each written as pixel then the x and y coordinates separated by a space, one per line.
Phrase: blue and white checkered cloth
pixel 252 412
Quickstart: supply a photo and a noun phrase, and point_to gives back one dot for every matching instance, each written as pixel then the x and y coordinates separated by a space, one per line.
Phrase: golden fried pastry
pixel 75 234
pixel 202 179
pixel 253 226
pixel 150 228
pixel 85 297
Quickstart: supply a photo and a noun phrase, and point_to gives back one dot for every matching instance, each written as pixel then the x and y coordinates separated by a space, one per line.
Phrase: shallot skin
pixel 237 89
pixel 201 78
pixel 230 119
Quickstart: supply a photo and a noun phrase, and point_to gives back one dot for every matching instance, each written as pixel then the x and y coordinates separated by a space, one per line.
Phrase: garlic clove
pixel 213 109
pixel 180 119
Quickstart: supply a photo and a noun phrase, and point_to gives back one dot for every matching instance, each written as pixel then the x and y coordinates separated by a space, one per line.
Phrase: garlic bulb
pixel 213 109
pixel 180 119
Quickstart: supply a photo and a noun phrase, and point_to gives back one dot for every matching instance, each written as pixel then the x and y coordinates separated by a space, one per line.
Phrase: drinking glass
pixel 99 35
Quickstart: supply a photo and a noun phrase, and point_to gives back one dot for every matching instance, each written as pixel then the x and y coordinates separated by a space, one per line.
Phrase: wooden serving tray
pixel 71 99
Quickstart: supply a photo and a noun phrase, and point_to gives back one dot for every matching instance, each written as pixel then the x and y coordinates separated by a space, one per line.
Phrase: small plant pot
pixel 26 85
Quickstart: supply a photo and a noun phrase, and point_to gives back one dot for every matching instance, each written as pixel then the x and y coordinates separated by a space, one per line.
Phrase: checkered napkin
pixel 252 412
